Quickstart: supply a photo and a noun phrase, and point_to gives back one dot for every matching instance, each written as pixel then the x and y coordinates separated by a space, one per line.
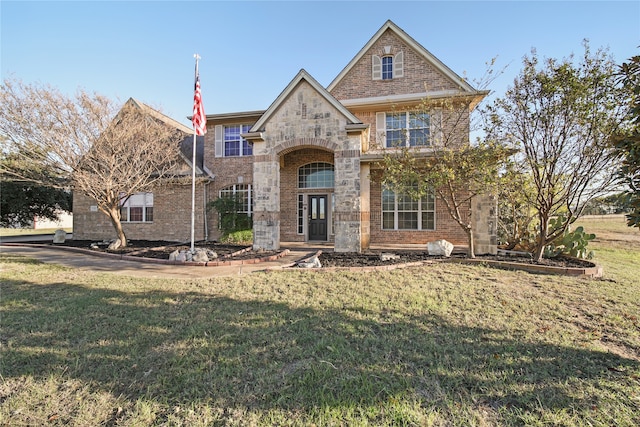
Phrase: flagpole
pixel 193 172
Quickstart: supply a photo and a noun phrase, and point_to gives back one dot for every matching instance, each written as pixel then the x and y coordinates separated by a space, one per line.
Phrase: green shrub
pixel 241 237
pixel 230 217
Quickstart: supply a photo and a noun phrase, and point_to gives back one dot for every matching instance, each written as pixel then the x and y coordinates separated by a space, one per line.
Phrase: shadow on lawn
pixel 186 348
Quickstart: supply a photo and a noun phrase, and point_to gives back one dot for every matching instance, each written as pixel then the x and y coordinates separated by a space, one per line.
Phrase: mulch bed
pixel 162 249
pixel 372 258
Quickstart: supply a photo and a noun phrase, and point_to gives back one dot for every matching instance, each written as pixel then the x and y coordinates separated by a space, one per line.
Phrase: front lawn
pixel 445 344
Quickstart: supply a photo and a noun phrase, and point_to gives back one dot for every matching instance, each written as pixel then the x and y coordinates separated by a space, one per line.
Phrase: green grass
pixel 29 231
pixel 439 345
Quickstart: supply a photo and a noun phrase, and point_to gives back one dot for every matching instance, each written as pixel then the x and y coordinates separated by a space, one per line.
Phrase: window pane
pixel 387 221
pixel 148 214
pixel 407 220
pixel 406 203
pixel 387 67
pixel 135 213
pixel 428 221
pixel 300 214
pixel 388 200
pixel 316 175
pixel 418 137
pixel 124 214
pixel 428 202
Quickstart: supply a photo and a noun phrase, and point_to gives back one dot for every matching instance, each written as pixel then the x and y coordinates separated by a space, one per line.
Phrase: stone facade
pixel 309 124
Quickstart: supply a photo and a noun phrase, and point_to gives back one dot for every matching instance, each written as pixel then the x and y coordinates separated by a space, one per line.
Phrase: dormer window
pixel 387 67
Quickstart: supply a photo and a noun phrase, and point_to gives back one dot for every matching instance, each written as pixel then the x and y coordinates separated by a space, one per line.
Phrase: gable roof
pixel 303 76
pixel 420 50
pixel 185 146
pixel 158 115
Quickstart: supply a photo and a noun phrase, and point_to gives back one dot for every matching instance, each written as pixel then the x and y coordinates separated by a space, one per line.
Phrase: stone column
pixel 484 216
pixel 266 202
pixel 347 193
pixel 365 206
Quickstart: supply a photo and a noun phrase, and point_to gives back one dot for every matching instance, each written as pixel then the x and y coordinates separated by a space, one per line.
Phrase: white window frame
pixel 382 131
pixel 137 200
pixel 397 65
pixel 220 140
pixel 421 209
pixel 240 189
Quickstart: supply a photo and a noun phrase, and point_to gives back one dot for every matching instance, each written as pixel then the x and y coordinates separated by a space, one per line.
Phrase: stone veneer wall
pixel 306 120
pixel 485 223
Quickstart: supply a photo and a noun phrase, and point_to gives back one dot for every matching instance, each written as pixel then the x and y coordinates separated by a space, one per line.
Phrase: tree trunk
pixel 472 250
pixel 114 216
pixel 542 239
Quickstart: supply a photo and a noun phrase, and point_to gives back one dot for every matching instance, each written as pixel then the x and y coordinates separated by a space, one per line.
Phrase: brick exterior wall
pixel 307 128
pixel 171 217
pixel 419 75
pixel 446 228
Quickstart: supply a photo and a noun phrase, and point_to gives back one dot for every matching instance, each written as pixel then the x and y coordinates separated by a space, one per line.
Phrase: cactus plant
pixel 573 243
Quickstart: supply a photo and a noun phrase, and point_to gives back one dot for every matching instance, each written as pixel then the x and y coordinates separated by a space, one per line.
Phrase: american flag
pixel 199 119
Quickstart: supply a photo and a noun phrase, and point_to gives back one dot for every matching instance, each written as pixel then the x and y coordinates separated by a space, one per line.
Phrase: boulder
pixel 173 256
pixel 388 257
pixel 313 262
pixel 200 255
pixel 182 256
pixel 59 236
pixel 440 248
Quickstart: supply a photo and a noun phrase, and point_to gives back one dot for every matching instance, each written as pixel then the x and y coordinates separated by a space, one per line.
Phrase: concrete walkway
pixel 97 263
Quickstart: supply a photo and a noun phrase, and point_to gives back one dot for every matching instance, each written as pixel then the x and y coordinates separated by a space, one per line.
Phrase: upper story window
pixel 387 67
pixel 404 129
pixel 230 143
pixel 137 208
pixel 234 144
pixel 316 175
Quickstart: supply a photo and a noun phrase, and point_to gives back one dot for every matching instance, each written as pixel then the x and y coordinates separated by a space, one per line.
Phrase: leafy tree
pixel 516 216
pixel 627 143
pixel 21 202
pixel 561 114
pixel 452 168
pixel 85 144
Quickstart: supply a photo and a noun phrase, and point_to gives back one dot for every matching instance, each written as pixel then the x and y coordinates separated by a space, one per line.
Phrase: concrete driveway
pixel 97 263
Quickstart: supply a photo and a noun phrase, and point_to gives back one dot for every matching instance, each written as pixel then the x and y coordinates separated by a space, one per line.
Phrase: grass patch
pixel 440 345
pixel 29 231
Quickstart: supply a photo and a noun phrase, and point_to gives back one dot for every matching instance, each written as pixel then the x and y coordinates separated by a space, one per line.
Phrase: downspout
pixel 204 212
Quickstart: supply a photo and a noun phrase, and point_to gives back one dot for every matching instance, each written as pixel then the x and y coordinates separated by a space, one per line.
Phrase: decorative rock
pixel 211 254
pixel 59 236
pixel 200 255
pixel 115 244
pixel 388 257
pixel 440 248
pixel 173 256
pixel 313 262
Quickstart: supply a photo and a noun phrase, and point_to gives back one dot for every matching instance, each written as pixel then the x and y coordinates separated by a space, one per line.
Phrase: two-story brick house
pixel 304 165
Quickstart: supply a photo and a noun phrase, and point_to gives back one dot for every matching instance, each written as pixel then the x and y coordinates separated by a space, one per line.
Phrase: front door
pixel 318 217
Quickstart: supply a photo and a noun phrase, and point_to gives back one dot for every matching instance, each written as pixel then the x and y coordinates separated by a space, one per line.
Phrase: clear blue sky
pixel 252 49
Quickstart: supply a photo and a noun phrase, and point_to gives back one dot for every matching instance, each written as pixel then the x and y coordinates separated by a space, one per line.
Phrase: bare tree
pixel 85 144
pixel 561 115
